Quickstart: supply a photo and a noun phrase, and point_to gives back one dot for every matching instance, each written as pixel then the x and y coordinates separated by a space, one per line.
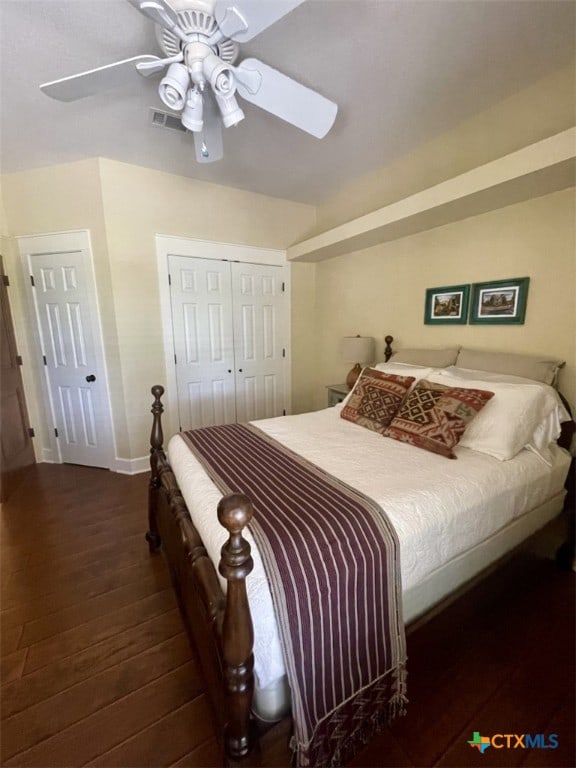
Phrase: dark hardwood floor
pixel 96 669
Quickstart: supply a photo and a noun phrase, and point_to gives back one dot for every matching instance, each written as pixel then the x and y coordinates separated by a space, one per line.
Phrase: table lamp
pixel 358 350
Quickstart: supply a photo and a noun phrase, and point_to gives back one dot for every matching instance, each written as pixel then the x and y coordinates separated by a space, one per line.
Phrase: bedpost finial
pixel 157 390
pixel 388 348
pixel 156 435
pixel 234 513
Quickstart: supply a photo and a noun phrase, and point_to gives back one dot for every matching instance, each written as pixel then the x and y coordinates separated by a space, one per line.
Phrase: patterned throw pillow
pixel 376 398
pixel 434 416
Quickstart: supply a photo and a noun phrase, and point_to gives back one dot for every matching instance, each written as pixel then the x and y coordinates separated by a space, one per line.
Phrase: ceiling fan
pixel 199 39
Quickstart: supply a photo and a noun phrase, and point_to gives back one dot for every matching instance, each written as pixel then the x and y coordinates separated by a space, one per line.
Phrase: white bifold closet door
pixel 228 325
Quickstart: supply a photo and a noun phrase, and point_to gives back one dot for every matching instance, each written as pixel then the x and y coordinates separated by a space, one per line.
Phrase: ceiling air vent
pixel 166 120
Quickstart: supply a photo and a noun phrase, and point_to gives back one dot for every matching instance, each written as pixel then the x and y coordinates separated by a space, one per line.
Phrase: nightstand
pixel 337 393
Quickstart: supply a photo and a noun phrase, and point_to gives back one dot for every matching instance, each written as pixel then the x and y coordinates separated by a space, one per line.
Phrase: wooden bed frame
pixel 219 625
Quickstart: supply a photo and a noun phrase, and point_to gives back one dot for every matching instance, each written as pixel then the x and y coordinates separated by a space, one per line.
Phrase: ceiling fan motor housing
pixel 196 18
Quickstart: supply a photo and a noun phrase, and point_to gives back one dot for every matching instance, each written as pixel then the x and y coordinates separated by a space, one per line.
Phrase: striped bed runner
pixel 332 560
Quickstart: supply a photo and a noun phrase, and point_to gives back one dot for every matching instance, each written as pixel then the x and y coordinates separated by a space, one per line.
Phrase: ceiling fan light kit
pixel 199 39
pixel 193 111
pixel 174 87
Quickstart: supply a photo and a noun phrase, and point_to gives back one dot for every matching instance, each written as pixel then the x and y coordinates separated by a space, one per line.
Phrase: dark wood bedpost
pixel 234 513
pixel 156 440
pixel 388 348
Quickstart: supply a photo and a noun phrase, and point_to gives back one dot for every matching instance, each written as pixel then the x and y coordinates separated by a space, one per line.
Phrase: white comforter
pixel 439 507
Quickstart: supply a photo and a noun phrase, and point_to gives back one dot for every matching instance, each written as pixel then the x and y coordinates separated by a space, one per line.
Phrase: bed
pixel 452 518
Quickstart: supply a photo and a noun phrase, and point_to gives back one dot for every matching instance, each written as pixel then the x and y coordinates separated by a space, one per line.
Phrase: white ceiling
pixel 401 71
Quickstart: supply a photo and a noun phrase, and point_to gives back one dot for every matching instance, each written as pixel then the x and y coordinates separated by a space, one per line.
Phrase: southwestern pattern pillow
pixel 376 398
pixel 434 416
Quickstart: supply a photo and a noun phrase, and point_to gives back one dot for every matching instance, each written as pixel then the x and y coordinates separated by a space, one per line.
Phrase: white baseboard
pixel 48 456
pixel 131 466
pixel 122 466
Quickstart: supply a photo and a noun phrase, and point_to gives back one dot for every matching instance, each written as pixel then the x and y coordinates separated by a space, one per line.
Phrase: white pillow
pixel 470 373
pixel 546 433
pixel 406 369
pixel 520 415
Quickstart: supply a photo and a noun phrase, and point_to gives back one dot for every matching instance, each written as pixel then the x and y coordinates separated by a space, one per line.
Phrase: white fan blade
pixel 161 13
pixel 287 99
pixel 96 80
pixel 208 142
pixel 241 20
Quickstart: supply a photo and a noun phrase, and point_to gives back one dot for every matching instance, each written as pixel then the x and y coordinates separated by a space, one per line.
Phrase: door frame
pixel 72 240
pixel 167 245
pixel 13 471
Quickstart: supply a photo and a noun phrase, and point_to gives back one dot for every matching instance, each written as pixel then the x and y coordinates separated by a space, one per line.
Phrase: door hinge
pixel 169 280
pixel 55 431
pixel 18 359
pixel 283 287
pixel 31 432
pixel 5 280
pixel 175 360
pixel 44 360
pixel 283 352
pixel 32 281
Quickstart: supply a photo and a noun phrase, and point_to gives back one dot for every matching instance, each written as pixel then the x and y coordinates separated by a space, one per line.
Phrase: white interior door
pixel 259 339
pixel 67 314
pixel 201 299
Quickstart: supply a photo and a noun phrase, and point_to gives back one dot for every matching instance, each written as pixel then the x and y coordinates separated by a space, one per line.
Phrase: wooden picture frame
pixel 499 302
pixel 447 305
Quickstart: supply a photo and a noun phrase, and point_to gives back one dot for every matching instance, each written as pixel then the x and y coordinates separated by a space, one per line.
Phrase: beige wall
pixel 304 336
pixel 381 290
pixel 542 110
pixel 140 203
pixel 61 198
pixel 124 207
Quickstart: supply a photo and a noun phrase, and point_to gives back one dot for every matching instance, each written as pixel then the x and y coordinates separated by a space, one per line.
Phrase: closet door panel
pixel 259 338
pixel 201 297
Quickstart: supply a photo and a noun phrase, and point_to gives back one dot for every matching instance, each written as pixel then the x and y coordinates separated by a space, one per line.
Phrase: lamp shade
pixel 357 349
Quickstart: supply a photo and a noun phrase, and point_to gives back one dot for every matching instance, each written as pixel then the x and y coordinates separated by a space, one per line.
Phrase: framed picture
pixel 500 301
pixel 447 305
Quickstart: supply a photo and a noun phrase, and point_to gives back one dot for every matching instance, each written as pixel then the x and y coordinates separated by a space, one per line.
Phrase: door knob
pixel 91 377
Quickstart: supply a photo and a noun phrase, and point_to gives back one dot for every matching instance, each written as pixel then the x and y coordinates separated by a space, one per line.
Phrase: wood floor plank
pixel 59 563
pixel 165 741
pixel 46 533
pixel 524 700
pixel 208 755
pixel 27 610
pixel 10 638
pixel 477 669
pixel 562 724
pixel 11 563
pixel 383 750
pixel 23 585
pixel 60 675
pixel 12 665
pixel 90 537
pixel 47 718
pixel 88 739
pixel 28 589
pixel 80 613
pixel 73 640
pixel 82 501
